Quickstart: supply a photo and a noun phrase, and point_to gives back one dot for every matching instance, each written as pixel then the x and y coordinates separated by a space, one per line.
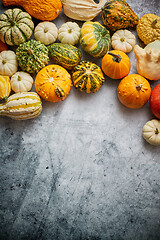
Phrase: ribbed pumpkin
pixel 21 106
pixel 5 87
pixel 117 14
pixel 134 91
pixel 116 64
pixel 16 26
pixel 32 56
pixel 53 83
pixel 95 39
pixel 65 55
pixel 87 77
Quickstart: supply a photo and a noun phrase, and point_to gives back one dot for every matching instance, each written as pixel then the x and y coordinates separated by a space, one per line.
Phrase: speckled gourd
pixel 21 106
pixel 32 56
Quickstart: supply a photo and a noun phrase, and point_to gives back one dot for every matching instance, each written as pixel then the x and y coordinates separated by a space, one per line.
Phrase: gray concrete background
pixel 81 170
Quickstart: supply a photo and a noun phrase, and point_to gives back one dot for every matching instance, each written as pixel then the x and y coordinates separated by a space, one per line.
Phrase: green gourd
pixel 32 56
pixel 95 39
pixel 16 26
pixel 65 55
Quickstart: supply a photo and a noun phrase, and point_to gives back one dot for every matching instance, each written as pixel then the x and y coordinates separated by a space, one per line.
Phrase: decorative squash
pixel 148 28
pixel 3 46
pixel 87 77
pixel 117 14
pixel 16 26
pixel 21 82
pixel 21 106
pixel 148 62
pixel 69 33
pixel 151 132
pixel 155 101
pixel 8 63
pixel 46 32
pixel 116 64
pixel 46 10
pixel 123 40
pixel 5 87
pixel 83 10
pixel 65 55
pixel 153 45
pixel 32 56
pixel 95 39
pixel 53 83
pixel 134 91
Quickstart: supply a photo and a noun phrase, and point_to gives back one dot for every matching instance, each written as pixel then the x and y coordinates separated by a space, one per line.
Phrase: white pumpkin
pixel 123 40
pixel 69 33
pixel 8 63
pixel 46 32
pixel 21 82
pixel 151 132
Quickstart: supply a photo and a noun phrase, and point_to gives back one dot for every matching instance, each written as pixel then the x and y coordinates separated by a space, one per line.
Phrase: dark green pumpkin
pixel 117 14
pixel 32 56
pixel 87 77
pixel 95 39
pixel 65 55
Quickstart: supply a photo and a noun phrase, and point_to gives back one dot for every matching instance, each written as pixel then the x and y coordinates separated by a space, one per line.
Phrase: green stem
pixel 156 131
pixel 116 57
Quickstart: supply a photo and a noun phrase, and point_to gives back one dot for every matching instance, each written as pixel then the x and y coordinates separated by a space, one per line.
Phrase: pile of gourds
pixel 53 82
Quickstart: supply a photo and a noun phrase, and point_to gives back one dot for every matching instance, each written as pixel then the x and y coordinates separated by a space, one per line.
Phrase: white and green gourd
pixel 22 106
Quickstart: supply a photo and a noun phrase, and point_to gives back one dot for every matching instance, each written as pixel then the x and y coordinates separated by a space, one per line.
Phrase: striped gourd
pixel 95 39
pixel 87 76
pixel 65 55
pixel 16 26
pixel 21 106
pixel 32 56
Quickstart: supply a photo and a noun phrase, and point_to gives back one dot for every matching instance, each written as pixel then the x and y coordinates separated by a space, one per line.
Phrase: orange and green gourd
pixel 117 14
pixel 87 77
pixel 65 55
pixel 53 83
pixel 95 39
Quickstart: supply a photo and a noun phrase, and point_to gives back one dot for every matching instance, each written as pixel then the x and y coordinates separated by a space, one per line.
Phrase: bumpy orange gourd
pixel 53 83
pixel 134 91
pixel 116 64
pixel 43 10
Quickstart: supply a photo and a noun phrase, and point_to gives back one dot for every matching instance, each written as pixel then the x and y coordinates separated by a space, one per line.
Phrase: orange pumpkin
pixel 134 91
pixel 53 83
pixel 116 64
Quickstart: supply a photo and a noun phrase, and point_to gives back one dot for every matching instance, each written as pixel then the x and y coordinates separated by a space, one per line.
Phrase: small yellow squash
pixel 5 87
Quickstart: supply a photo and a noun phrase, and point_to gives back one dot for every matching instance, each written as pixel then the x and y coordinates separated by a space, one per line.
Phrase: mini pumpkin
pixel 134 91
pixel 123 40
pixel 32 56
pixel 21 82
pixel 46 32
pixel 16 26
pixel 95 39
pixel 87 77
pixel 69 33
pixel 8 63
pixel 5 87
pixel 151 132
pixel 148 28
pixel 53 83
pixel 116 64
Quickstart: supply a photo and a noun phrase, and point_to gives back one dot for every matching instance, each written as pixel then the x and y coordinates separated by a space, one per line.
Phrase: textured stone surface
pixel 81 170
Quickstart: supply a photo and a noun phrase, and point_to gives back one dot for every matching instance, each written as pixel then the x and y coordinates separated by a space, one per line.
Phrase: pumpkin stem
pixel 154 23
pixel 12 22
pixel 139 86
pixel 122 39
pixel 4 61
pixel 45 30
pixel 156 131
pixel 116 57
pixel 19 78
pixel 70 31
pixel 30 51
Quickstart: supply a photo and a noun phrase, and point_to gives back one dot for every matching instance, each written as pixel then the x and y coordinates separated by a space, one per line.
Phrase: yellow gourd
pixel 5 87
